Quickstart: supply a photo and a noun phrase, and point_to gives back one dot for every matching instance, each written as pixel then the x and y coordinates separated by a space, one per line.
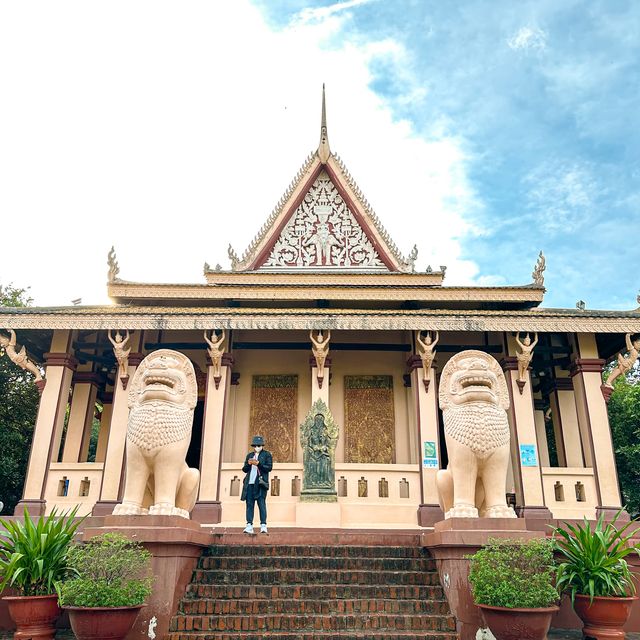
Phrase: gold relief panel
pixel 274 414
pixel 369 419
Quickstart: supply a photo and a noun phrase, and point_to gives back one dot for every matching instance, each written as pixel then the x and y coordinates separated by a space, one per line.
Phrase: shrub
pixel 111 570
pixel 34 554
pixel 514 574
pixel 592 562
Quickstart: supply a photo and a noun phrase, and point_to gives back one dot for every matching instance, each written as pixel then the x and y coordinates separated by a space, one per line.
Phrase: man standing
pixel 257 466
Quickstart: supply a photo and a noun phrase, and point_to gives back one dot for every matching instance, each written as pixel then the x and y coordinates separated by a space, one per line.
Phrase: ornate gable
pixel 323 222
pixel 323 233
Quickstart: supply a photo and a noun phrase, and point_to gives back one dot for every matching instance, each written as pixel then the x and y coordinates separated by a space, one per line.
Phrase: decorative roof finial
pixel 538 272
pixel 114 269
pixel 323 148
pixel 581 305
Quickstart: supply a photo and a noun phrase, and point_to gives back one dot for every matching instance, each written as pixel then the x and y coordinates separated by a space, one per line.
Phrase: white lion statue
pixel 474 400
pixel 162 398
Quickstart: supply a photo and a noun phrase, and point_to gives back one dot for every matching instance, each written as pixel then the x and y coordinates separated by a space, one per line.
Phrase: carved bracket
pixel 125 381
pixel 606 392
pixel 521 384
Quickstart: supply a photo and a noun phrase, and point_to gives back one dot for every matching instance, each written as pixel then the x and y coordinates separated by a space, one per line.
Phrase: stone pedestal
pixel 176 544
pixel 318 514
pixel 456 538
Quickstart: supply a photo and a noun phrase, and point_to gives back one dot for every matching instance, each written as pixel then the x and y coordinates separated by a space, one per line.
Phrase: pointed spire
pixel 323 148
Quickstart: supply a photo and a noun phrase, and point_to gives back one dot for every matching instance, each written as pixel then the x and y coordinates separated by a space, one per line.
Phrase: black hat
pixel 258 441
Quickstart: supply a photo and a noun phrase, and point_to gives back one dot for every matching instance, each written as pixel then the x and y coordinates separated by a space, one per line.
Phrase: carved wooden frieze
pixel 323 232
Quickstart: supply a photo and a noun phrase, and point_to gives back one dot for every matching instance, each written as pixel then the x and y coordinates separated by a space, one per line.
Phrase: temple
pixel 322 305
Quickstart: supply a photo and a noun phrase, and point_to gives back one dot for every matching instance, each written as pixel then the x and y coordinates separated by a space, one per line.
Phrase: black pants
pixel 254 493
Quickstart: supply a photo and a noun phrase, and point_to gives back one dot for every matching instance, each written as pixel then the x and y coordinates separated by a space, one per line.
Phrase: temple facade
pixel 323 305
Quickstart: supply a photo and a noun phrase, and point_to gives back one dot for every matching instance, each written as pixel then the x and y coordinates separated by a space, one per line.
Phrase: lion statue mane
pixel 474 401
pixel 162 397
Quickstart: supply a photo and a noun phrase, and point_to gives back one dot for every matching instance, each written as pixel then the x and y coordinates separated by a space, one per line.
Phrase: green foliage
pixel 514 574
pixel 34 554
pixel 111 571
pixel 18 410
pixel 593 560
pixel 624 418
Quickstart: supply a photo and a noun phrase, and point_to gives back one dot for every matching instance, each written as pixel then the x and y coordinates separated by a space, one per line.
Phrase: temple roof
pixel 185 318
pixel 323 222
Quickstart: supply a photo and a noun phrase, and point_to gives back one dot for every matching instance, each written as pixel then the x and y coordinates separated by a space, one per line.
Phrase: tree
pixel 624 418
pixel 18 409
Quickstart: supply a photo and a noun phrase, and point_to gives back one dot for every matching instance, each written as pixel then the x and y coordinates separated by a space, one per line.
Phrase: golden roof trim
pixel 200 318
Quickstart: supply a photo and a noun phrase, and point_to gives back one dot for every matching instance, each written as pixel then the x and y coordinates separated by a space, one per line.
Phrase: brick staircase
pixel 313 591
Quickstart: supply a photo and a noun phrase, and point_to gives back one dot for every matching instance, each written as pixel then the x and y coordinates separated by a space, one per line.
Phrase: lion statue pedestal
pixel 474 400
pixel 162 397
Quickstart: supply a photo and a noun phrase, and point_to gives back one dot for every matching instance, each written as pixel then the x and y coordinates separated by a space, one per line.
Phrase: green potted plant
pixel 33 559
pixel 512 584
pixel 112 581
pixel 593 569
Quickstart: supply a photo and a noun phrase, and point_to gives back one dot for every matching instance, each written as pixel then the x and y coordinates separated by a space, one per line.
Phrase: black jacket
pixel 265 464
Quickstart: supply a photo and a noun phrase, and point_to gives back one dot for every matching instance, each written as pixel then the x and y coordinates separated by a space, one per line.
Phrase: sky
pixel 483 131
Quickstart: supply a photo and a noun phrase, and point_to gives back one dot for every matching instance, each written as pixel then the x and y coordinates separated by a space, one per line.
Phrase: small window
pixel 342 487
pixel 295 486
pixel 404 488
pixel 580 493
pixel 275 486
pixel 559 491
pixel 63 486
pixel 383 488
pixel 235 486
pixel 85 485
pixel 363 488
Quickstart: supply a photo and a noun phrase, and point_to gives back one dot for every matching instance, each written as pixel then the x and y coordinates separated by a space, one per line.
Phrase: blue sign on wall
pixel 430 455
pixel 528 455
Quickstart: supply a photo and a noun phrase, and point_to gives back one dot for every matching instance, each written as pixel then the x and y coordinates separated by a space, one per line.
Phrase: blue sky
pixel 481 131
pixel 544 97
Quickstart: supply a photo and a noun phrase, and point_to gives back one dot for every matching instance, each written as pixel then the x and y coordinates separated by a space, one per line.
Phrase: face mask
pixel 257 449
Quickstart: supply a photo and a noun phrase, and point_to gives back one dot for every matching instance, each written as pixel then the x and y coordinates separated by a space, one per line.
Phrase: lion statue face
pixel 474 400
pixel 164 376
pixel 473 376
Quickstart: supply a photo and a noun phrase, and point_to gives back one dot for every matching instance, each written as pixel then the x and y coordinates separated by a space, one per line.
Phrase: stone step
pixel 311 622
pixel 314 591
pixel 268 576
pixel 234 563
pixel 341 551
pixel 330 537
pixel 313 606
pixel 315 635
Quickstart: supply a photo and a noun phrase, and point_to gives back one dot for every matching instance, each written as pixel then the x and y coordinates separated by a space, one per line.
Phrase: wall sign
pixel 430 455
pixel 528 455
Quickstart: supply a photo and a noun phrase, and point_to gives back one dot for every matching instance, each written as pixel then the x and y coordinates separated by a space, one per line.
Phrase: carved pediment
pixel 323 233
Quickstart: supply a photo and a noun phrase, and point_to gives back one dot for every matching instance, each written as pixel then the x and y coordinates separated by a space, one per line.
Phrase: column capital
pixel 136 358
pixel 88 377
pixel 227 360
pixel 586 365
pixel 235 378
pixel 562 384
pixel 509 363
pixel 312 362
pixel 414 361
pixel 60 359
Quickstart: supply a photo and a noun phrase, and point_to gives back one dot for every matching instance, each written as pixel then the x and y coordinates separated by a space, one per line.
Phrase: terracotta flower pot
pixel 604 617
pixel 102 623
pixel 518 624
pixel 35 616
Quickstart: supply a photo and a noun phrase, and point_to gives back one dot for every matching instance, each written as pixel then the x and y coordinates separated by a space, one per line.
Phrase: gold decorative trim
pixel 201 318
pixel 282 291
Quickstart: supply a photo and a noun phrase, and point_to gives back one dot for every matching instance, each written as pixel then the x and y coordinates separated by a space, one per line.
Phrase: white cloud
pixel 562 196
pixel 528 38
pixel 311 15
pixel 171 131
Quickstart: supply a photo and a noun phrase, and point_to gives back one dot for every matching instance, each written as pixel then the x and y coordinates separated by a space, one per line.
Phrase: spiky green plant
pixel 34 553
pixel 593 561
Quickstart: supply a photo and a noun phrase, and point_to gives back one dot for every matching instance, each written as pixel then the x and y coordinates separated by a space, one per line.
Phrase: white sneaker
pixel 248 529
pixel 263 528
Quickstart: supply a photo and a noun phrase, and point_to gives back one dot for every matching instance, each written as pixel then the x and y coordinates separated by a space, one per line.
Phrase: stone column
pixel 83 402
pixel 208 509
pixel 565 422
pixel 426 407
pixel 317 392
pixel 105 423
pixel 112 475
pixel 591 407
pixel 59 364
pixel 541 433
pixel 524 442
